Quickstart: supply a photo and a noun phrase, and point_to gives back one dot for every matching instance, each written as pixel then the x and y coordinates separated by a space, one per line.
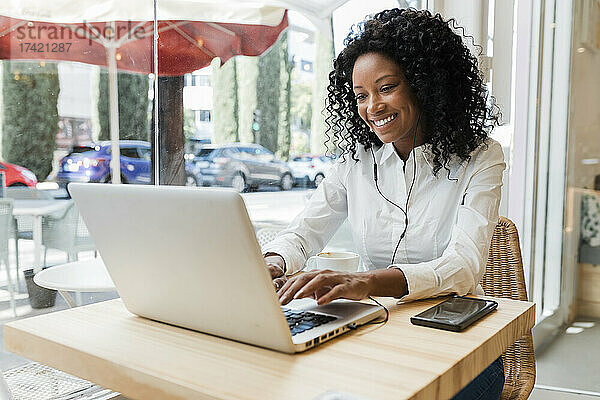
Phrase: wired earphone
pixel 405 209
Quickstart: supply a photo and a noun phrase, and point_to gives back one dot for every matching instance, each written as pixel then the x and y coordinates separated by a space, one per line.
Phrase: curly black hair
pixel 457 113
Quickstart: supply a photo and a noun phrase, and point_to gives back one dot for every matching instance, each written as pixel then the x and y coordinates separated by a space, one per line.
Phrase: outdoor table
pixel 79 276
pixel 145 359
pixel 37 209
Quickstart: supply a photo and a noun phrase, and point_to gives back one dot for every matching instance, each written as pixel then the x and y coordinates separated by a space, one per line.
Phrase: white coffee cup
pixel 334 260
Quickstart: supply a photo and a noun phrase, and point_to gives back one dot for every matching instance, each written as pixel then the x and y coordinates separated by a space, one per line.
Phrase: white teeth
pixel 384 121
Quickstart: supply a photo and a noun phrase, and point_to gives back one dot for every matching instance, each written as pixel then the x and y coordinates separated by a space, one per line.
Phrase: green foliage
pixel 301 105
pixel 30 97
pixel 225 101
pixel 268 86
pixel 284 136
pixel 300 144
pixel 133 106
pixel 189 123
pixel 245 84
pixel 323 65
pixel 247 73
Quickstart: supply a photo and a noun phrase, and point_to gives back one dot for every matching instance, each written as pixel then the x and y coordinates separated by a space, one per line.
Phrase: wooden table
pixel 144 359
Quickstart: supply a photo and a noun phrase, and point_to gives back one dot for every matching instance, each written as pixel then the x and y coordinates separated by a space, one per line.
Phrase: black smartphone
pixel 454 314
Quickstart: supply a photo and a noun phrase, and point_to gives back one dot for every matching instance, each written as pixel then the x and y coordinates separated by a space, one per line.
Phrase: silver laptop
pixel 189 257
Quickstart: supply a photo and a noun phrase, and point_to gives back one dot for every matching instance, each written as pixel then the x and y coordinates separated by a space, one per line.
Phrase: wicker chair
pixel 504 277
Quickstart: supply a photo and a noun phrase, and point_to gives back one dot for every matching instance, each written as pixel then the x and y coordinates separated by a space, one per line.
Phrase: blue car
pixel 91 163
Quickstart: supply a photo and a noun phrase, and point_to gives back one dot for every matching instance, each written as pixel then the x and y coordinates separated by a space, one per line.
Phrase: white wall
pixel 471 15
pixel 198 97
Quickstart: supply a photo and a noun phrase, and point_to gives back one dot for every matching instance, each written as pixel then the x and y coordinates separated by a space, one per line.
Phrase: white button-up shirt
pixel 451 217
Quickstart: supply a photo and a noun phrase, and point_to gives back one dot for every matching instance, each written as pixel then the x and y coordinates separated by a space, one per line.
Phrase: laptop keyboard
pixel 300 321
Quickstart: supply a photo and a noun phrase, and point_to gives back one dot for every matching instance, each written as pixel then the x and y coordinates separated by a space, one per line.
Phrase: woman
pixel 418 180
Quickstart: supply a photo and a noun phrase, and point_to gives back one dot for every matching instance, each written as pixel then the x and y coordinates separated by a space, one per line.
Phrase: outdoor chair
pixel 66 231
pixel 504 278
pixel 6 230
pixel 23 225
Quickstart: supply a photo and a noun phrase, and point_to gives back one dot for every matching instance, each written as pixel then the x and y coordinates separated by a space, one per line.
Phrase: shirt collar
pixel 422 152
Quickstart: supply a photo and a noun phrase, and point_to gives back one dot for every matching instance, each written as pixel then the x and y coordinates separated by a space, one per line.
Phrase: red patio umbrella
pixel 183 47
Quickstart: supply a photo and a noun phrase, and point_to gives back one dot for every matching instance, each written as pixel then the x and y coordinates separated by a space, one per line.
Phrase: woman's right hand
pixel 276 267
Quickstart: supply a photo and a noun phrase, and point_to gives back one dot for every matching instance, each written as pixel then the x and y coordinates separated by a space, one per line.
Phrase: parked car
pixel 242 166
pixel 91 163
pixel 193 176
pixel 309 169
pixel 15 175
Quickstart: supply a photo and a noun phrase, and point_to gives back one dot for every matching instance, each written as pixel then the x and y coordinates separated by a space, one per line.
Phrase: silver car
pixel 241 166
pixel 309 169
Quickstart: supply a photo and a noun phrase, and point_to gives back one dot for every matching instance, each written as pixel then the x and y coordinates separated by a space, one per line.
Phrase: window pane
pixel 80 149
pixel 55 125
pixel 129 152
pixel 257 113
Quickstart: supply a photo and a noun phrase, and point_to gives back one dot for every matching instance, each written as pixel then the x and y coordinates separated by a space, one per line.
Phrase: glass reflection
pixel 66 89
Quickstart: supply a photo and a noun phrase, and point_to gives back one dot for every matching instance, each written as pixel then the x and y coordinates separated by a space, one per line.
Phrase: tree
pixel 284 136
pixel 245 85
pixel 268 86
pixel 171 141
pixel 189 123
pixel 30 108
pixel 133 106
pixel 225 101
pixel 322 67
pixel 301 105
pixel 247 73
pixel 301 115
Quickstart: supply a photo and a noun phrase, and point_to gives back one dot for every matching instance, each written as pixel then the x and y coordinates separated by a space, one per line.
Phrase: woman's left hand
pixel 325 286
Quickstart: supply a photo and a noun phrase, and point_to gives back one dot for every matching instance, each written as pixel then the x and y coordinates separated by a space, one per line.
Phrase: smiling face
pixel 385 101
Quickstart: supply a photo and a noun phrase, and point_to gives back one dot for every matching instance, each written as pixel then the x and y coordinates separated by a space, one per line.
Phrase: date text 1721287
pixel 39 47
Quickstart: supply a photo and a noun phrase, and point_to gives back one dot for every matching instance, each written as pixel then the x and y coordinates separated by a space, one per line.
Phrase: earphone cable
pixel 375 322
pixel 377 185
pixel 409 191
pixel 404 211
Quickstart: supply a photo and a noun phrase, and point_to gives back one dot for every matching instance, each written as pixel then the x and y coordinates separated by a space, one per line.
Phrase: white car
pixel 309 169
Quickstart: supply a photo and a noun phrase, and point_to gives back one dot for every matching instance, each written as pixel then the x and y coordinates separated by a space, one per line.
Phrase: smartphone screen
pixel 456 313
